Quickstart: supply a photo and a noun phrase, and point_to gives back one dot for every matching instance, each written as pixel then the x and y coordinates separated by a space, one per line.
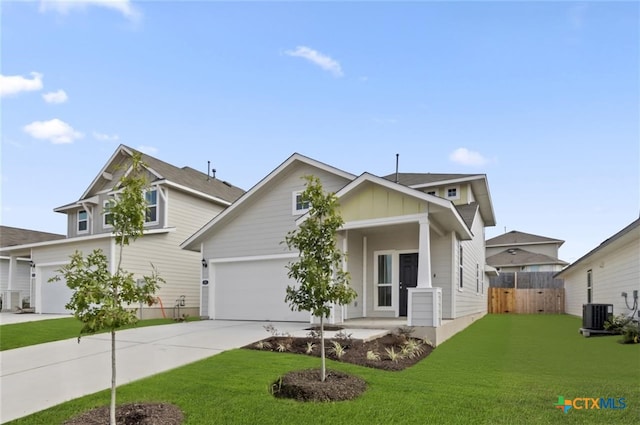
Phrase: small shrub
pixel 393 355
pixel 343 335
pixel 284 345
pixel 338 350
pixel 413 348
pixel 631 333
pixel 373 355
pixel 310 347
pixel 313 334
pixel 274 331
pixel 616 323
pixel 262 345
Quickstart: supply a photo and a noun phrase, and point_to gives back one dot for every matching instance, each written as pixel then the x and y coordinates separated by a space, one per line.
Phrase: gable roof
pixel 516 237
pixel 628 233
pixel 468 212
pixel 520 257
pixel 445 210
pixel 13 236
pixel 185 178
pixel 479 185
pixel 193 242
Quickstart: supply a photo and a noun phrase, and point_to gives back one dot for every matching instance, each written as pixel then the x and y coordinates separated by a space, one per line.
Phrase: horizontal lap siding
pixel 469 300
pixel 59 254
pixel 178 267
pixel 266 218
pixel 613 273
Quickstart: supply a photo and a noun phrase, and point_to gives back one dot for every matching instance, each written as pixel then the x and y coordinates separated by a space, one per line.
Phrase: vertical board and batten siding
pixel 469 300
pixel 371 201
pixel 266 217
pixel 178 267
pixel 441 275
pixel 613 272
pixel 4 274
pixel 354 266
pixel 422 308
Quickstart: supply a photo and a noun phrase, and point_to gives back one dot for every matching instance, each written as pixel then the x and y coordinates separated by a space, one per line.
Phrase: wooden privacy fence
pixel 526 301
pixel 526 293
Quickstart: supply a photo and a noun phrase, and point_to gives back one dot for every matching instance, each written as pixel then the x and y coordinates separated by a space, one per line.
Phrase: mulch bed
pixel 305 385
pixel 355 350
pixel 132 414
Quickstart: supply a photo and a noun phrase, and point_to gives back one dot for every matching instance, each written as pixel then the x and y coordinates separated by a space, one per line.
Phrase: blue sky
pixel 543 97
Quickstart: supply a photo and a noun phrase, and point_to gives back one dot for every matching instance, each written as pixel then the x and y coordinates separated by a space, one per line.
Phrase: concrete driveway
pixel 38 377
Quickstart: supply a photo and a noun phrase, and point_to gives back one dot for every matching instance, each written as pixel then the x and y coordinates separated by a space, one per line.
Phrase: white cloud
pixel 59 96
pixel 13 84
pixel 55 130
pixel 323 61
pixel 466 157
pixel 64 6
pixel 106 137
pixel 149 150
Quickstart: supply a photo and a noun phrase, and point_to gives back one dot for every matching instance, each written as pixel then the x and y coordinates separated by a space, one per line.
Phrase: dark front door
pixel 408 278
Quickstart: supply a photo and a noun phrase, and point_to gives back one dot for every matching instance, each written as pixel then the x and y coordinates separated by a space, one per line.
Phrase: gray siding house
pixel 180 201
pixel 414 244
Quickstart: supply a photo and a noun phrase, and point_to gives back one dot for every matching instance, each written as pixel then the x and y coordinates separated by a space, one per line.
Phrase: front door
pixel 408 278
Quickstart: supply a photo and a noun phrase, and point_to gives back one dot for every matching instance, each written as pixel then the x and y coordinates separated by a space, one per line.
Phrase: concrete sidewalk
pixel 40 376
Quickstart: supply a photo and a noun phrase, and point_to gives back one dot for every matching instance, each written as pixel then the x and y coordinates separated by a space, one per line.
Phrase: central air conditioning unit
pixel 594 315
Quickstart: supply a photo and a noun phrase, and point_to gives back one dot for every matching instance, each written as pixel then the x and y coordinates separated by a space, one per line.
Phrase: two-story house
pixel 414 244
pixel 517 251
pixel 179 202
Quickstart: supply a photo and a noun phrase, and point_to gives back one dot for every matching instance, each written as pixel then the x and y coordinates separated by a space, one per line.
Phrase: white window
pixel 452 192
pixel 299 206
pixel 477 278
pixel 83 221
pixel 461 267
pixel 589 286
pixel 151 196
pixel 384 282
pixel 107 218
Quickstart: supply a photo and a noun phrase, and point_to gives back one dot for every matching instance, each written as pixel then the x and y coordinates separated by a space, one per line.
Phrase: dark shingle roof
pixel 193 179
pixel 414 179
pixel 468 212
pixel 11 236
pixel 520 257
pixel 515 237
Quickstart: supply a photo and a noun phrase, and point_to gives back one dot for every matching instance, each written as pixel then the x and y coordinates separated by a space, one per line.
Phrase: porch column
pixel 424 254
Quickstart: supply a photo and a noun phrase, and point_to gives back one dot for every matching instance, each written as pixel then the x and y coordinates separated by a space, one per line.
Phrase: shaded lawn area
pixel 19 335
pixel 503 369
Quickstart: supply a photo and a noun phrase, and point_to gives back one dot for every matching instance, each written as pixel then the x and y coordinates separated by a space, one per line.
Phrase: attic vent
pixel 511 251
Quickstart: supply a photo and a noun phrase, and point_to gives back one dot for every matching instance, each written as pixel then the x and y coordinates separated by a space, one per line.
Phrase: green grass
pixel 501 370
pixel 40 331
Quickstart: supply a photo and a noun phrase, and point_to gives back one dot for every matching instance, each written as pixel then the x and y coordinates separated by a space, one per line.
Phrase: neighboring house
pixel 180 201
pixel 415 248
pixel 516 251
pixel 15 272
pixel 604 273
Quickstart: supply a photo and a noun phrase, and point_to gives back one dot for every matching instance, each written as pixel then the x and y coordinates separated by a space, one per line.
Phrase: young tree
pixel 101 300
pixel 318 271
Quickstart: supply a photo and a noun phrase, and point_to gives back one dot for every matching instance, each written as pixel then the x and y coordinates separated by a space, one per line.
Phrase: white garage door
pixel 53 295
pixel 253 290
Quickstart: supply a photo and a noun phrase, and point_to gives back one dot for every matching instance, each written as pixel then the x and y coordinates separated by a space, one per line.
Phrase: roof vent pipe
pixel 208 169
pixel 397 155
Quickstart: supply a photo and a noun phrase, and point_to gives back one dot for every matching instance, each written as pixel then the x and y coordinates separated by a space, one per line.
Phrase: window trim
pixel 447 189
pixel 149 206
pixel 294 204
pixel 85 220
pixel 392 284
pixel 105 214
pixel 460 267
pixel 589 286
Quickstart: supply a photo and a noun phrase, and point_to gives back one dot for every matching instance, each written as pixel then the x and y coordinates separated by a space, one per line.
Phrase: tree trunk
pixel 112 410
pixel 323 370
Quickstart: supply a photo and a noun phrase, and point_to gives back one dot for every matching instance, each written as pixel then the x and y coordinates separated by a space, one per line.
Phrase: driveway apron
pixel 40 376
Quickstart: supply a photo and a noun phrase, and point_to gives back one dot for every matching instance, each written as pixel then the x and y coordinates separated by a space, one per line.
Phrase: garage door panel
pixel 253 290
pixel 54 295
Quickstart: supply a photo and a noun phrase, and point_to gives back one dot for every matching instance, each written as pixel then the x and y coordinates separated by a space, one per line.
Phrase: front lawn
pixel 503 369
pixel 17 335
